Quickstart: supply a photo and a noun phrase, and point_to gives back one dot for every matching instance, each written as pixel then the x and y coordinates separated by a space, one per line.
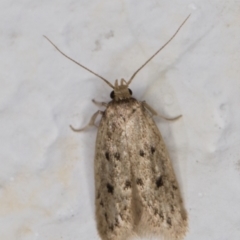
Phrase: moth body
pixel 135 187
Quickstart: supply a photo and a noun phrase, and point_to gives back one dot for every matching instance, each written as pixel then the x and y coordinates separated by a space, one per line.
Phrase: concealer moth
pixel 136 191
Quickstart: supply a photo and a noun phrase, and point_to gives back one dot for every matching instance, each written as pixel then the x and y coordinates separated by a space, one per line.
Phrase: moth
pixel 136 190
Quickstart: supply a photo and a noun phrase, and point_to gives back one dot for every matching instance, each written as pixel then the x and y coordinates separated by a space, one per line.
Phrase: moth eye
pixel 130 91
pixel 112 95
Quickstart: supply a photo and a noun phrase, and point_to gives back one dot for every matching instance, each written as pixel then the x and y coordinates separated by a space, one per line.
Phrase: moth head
pixel 121 91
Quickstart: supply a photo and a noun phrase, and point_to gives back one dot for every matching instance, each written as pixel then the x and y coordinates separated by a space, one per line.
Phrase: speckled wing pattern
pixel 136 189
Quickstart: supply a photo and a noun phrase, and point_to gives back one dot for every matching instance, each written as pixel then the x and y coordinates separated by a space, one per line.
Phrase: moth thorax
pixel 121 91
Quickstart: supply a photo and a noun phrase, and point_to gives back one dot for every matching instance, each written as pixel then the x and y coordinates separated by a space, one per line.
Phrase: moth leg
pixel 91 122
pixel 100 104
pixel 154 113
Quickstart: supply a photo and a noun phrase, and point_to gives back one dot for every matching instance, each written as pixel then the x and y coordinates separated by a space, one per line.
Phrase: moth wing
pixel 158 204
pixel 136 189
pixel 113 179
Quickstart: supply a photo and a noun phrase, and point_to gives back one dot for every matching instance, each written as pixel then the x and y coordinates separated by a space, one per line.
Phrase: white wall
pixel 46 170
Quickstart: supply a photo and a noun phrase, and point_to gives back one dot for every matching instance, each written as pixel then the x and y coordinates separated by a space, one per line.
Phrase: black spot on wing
pixel 127 184
pixel 107 155
pixel 110 188
pixel 159 182
pixel 141 153
pixel 153 150
pixel 139 182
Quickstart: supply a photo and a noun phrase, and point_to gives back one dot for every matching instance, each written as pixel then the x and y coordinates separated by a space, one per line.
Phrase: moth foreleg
pixel 91 122
pixel 100 104
pixel 154 113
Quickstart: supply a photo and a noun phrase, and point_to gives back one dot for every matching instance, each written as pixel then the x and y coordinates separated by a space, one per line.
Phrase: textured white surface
pixel 46 174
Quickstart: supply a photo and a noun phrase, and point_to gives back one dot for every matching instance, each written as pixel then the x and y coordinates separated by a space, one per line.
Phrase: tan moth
pixel 136 190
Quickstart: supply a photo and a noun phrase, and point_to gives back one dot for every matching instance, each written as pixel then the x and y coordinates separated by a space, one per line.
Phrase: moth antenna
pixel 130 80
pixel 79 64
